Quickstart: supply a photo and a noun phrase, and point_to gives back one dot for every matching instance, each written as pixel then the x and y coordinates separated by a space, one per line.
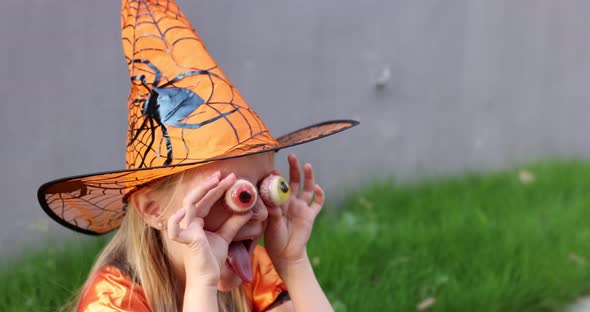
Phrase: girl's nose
pixel 260 211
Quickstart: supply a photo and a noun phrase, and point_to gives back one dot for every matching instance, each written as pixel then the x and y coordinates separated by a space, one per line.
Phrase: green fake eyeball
pixel 274 190
pixel 241 197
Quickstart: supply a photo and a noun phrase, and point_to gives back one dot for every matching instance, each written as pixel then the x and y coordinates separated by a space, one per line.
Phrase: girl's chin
pixel 229 280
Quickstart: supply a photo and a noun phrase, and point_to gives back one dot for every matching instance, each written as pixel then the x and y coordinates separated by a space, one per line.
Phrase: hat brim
pixel 95 204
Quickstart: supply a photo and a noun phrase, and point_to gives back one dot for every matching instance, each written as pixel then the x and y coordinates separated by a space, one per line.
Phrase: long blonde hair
pixel 138 250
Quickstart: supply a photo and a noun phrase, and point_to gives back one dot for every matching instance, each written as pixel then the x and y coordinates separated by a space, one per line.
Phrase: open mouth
pixel 239 258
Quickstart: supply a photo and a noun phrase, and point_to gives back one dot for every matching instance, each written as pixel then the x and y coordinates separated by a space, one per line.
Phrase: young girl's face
pixel 252 168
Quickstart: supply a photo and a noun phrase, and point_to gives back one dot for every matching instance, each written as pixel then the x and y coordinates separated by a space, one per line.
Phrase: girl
pixel 177 237
pixel 198 191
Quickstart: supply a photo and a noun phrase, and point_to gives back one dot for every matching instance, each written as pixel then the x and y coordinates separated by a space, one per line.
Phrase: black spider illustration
pixel 167 105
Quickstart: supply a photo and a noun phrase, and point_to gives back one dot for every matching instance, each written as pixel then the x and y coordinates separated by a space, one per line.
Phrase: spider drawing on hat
pixel 166 105
pixel 198 192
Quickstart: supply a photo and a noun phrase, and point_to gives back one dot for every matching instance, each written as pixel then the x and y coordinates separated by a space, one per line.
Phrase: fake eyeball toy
pixel 241 197
pixel 274 190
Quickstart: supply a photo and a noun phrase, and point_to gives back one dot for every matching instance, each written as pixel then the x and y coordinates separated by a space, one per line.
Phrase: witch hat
pixel 183 112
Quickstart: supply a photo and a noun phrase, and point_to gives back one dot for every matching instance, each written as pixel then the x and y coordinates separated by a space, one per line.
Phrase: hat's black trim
pixel 55 217
pixel 43 188
pixel 343 121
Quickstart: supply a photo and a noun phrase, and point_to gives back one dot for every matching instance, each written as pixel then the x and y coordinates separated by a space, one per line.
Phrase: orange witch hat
pixel 183 112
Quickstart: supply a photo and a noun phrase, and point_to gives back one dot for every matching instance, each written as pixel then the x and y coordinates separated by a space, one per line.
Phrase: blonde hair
pixel 137 249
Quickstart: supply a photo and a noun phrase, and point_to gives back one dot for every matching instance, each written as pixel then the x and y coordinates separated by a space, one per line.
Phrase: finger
pixel 308 181
pixel 318 202
pixel 203 207
pixel 197 194
pixel 230 228
pixel 276 172
pixel 307 197
pixel 308 185
pixel 173 227
pixel 275 212
pixel 285 207
pixel 276 222
pixel 294 174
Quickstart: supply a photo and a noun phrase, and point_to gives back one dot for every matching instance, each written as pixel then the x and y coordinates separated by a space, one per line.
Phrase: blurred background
pixel 440 87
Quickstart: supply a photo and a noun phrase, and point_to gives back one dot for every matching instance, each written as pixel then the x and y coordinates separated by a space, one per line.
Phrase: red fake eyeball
pixel 274 190
pixel 241 197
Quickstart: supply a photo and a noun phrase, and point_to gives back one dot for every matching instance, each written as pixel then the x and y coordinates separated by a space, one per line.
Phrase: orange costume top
pixel 111 290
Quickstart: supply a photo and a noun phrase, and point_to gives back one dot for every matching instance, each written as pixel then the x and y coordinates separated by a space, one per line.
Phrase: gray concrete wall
pixel 472 84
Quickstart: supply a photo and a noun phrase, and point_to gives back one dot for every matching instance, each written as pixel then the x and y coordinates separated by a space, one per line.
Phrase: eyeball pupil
pixel 245 197
pixel 284 187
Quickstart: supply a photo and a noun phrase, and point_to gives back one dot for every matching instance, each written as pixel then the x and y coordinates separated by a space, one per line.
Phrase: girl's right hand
pixel 205 251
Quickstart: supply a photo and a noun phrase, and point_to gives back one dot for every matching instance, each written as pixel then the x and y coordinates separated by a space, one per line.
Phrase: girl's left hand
pixel 290 225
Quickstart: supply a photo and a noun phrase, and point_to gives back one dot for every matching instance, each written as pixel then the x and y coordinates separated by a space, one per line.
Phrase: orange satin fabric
pixel 267 285
pixel 111 290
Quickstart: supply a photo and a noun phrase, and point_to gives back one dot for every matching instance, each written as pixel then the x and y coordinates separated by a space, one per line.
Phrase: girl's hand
pixel 205 251
pixel 290 225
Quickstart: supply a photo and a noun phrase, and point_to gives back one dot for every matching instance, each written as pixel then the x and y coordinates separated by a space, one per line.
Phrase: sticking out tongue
pixel 239 260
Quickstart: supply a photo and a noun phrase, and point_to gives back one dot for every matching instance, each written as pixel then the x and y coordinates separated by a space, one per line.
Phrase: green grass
pixel 43 280
pixel 473 243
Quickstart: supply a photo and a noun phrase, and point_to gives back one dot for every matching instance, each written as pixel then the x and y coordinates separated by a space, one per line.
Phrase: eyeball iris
pixel 275 190
pixel 241 197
